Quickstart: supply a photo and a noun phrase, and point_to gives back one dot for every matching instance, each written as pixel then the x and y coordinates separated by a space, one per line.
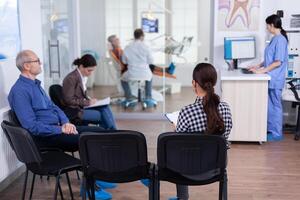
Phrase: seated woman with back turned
pixel 208 114
pixel 75 97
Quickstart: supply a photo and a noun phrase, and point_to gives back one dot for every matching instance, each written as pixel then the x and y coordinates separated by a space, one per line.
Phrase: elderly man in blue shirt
pixel 46 122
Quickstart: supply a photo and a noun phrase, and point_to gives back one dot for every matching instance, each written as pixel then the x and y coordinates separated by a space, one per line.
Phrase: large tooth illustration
pixel 239 9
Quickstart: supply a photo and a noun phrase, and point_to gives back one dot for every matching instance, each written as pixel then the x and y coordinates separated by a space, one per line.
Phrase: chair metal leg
pixel 32 186
pixel 25 184
pixel 221 187
pixel 156 186
pixel 92 185
pixel 297 134
pixel 60 190
pixel 225 188
pixel 77 173
pixel 56 187
pixel 84 188
pixel 151 190
pixel 88 187
pixel 70 188
pixel 157 190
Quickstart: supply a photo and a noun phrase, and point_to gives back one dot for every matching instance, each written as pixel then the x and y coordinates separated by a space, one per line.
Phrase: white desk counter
pixel 247 96
pixel 237 75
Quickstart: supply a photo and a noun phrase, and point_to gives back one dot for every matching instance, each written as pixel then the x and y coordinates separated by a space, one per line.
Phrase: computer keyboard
pixel 246 71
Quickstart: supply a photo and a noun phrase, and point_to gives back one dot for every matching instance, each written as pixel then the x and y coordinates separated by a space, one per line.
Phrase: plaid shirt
pixel 192 118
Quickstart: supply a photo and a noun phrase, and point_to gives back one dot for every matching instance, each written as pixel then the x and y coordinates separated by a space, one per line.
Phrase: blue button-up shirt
pixel 35 111
pixel 277 50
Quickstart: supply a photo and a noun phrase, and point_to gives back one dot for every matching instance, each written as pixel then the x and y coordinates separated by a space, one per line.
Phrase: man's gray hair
pixel 111 38
pixel 22 57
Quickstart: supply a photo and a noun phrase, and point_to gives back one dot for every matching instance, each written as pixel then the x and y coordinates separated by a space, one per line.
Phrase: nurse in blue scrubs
pixel 275 64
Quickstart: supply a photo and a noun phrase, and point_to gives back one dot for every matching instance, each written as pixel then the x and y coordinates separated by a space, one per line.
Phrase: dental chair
pixel 291 94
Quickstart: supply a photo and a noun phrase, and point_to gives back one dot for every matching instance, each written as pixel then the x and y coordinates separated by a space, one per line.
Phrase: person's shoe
pixel 271 138
pixel 149 103
pixel 129 103
pixel 173 198
pixel 171 68
pixel 146 182
pixel 102 195
pixel 105 185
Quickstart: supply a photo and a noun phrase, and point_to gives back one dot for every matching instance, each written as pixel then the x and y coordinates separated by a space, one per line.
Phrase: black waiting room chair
pixel 14 120
pixel 191 159
pixel 292 94
pixel 49 163
pixel 114 156
pixel 56 95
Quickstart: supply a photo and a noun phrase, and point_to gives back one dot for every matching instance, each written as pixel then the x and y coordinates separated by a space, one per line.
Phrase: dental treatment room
pixel 150 99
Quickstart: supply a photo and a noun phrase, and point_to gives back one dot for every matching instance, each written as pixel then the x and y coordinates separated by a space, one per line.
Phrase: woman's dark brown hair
pixel 206 76
pixel 86 61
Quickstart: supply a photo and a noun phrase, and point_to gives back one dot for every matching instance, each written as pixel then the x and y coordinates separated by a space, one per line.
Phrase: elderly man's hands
pixel 69 128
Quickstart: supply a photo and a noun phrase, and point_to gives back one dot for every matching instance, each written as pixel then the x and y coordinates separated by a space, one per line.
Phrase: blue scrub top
pixel 277 50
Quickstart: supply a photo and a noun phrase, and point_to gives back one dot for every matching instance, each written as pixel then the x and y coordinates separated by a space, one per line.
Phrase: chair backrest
pixel 111 153
pixel 22 143
pixel 13 118
pixel 56 95
pixel 191 153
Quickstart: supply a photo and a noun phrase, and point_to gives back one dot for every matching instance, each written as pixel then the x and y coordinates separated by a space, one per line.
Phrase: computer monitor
pixel 150 25
pixel 236 48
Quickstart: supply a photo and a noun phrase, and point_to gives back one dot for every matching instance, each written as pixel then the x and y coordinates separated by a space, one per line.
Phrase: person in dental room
pixel 117 53
pixel 275 64
pixel 75 97
pixel 138 57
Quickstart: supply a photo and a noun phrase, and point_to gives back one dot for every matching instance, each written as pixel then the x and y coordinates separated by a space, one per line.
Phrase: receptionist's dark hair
pixel 206 76
pixel 276 21
pixel 86 60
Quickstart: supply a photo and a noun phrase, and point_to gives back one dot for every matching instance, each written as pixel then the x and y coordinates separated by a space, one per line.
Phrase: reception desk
pixel 247 96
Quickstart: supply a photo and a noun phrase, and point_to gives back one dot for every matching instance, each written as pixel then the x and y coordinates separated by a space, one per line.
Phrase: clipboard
pixel 173 117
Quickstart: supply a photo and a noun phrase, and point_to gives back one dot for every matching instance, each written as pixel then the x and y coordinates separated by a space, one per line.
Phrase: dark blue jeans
pixel 127 89
pixel 101 115
pixel 65 142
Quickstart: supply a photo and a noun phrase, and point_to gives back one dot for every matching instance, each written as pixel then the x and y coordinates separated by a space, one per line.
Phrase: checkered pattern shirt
pixel 192 118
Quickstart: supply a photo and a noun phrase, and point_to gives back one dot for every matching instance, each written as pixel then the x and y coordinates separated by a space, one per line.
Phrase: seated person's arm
pixel 23 109
pixel 182 124
pixel 226 114
pixel 62 116
pixel 70 99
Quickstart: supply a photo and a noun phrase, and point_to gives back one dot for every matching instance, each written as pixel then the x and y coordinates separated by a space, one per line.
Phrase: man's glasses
pixel 34 61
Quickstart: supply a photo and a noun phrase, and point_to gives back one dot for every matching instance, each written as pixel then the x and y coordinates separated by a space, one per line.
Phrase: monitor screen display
pixel 239 48
pixel 150 25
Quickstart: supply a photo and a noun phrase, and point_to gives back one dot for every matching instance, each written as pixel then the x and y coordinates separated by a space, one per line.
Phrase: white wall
pixel 92 33
pixel 31 38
